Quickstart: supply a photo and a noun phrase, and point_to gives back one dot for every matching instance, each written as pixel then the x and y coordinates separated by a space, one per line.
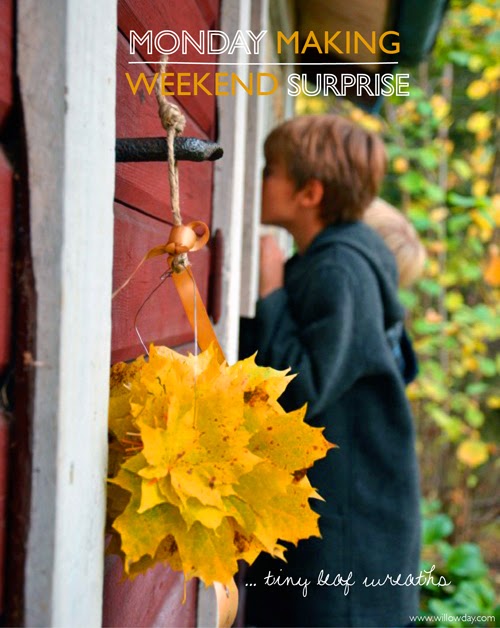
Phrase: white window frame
pixel 243 122
pixel 229 175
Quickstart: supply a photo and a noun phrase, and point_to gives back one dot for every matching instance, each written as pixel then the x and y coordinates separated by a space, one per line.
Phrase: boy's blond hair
pixel 349 161
pixel 400 237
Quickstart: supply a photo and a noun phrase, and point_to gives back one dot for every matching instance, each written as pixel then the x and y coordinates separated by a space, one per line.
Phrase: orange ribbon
pixel 182 239
pixel 226 598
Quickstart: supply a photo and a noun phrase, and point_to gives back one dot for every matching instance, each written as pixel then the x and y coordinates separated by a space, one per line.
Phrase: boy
pixel 325 315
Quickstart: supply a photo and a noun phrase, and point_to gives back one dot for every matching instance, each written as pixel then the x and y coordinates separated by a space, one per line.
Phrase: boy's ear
pixel 312 193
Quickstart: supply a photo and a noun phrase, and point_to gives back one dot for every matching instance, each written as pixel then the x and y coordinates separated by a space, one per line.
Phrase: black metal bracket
pixel 155 149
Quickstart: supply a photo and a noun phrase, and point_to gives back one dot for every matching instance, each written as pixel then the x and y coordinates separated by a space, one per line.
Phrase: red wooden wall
pixel 142 202
pixel 142 220
pixel 6 237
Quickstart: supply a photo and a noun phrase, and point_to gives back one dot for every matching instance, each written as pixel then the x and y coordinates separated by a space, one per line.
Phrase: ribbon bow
pixel 183 239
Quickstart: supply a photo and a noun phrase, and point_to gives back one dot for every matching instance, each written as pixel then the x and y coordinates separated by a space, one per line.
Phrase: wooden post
pixel 66 66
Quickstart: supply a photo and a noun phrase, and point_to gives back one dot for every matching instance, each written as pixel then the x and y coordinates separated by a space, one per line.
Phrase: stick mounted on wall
pixel 137 149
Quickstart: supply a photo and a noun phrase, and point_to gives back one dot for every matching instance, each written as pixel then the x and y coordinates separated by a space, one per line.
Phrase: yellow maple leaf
pixel 484 222
pixel 480 13
pixel 400 165
pixel 290 443
pixel 472 452
pixel 142 533
pixel 492 270
pixel 439 214
pixel 440 106
pixel 493 401
pixel 480 187
pixel 492 72
pixel 478 89
pixel 479 121
pixel 209 554
pixel 283 505
pixel 495 209
pixel 212 469
pixel 119 398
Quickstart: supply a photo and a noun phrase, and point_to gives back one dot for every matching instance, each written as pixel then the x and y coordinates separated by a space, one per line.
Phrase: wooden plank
pixel 6 57
pixel 162 319
pixel 257 119
pixel 210 11
pixel 4 455
pixel 151 599
pixel 143 15
pixel 6 202
pixel 229 192
pixel 129 105
pixel 70 48
pixel 145 185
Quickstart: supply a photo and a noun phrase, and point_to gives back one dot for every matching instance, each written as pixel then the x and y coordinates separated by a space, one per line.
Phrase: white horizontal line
pixel 257 63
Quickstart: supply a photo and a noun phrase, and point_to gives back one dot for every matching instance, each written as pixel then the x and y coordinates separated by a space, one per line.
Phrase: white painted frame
pixel 282 18
pixel 229 177
pixel 243 122
pixel 261 117
pixel 67 67
pixel 258 108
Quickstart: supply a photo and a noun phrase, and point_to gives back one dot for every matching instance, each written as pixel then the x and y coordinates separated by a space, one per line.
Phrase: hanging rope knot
pixel 172 118
pixel 170 115
pixel 173 121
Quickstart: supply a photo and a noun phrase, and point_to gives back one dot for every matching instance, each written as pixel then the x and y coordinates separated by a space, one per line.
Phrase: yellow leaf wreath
pixel 206 467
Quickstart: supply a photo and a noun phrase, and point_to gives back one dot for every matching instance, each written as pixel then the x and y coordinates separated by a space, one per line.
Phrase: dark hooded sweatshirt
pixel 329 325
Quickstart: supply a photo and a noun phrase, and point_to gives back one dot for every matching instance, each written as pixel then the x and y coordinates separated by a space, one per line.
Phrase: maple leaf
pixel 288 442
pixel 281 507
pixel 492 270
pixel 207 467
pixel 209 554
pixel 141 533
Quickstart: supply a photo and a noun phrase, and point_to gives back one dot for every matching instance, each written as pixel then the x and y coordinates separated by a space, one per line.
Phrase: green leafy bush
pixel 470 593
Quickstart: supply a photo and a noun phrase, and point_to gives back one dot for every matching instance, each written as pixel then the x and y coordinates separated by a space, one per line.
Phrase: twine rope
pixel 173 121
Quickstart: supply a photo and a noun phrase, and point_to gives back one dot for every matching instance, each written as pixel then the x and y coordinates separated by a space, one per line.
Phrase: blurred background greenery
pixel 444 174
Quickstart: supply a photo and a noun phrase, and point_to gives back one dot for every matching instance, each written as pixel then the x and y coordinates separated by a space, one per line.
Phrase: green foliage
pixel 470 592
pixel 441 144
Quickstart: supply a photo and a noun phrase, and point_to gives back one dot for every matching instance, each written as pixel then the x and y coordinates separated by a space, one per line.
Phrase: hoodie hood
pixel 370 246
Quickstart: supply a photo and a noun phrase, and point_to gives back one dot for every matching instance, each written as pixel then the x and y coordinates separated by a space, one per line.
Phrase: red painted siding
pixel 6 202
pixel 4 451
pixel 6 56
pixel 6 240
pixel 142 221
pixel 143 189
pixel 145 185
pixel 162 320
pixel 152 599
pixel 144 15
